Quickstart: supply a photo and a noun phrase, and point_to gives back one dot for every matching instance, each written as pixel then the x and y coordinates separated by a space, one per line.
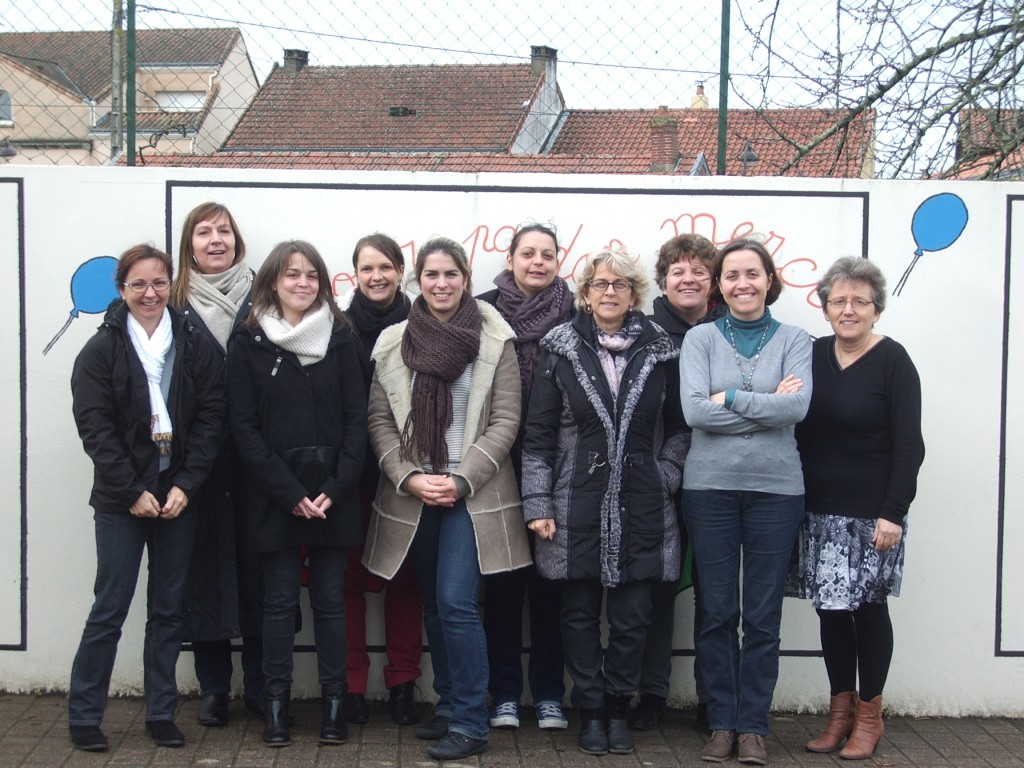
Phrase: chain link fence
pixel 936 83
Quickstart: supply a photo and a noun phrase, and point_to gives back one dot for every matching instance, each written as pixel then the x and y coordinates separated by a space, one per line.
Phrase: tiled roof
pixel 990 129
pixel 452 162
pixel 450 108
pixel 627 133
pixel 80 61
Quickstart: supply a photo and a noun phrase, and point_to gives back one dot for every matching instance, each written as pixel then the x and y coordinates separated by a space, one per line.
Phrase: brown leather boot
pixel 841 710
pixel 867 730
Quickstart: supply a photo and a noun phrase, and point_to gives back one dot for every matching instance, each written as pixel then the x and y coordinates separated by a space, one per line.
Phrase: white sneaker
pixel 505 715
pixel 550 716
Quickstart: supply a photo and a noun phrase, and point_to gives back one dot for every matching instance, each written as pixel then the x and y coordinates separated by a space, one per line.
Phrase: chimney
pixel 544 60
pixel 294 60
pixel 699 101
pixel 664 142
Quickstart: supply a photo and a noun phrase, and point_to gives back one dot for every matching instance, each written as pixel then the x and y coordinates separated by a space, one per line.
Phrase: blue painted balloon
pixel 92 290
pixel 92 285
pixel 938 222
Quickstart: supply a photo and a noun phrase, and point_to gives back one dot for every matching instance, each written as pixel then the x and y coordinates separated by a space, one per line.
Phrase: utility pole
pixel 117 83
pixel 723 89
pixel 131 90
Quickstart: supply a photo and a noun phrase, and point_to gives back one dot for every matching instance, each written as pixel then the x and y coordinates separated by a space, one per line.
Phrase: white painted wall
pixel 959 625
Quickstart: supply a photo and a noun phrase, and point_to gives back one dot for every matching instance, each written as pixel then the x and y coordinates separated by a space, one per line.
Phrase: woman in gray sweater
pixel 746 381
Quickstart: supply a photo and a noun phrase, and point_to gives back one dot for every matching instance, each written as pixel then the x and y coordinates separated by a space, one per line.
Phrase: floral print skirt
pixel 836 566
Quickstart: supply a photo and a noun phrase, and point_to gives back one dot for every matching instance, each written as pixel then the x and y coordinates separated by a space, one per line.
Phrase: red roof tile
pixel 471 108
pixel 772 133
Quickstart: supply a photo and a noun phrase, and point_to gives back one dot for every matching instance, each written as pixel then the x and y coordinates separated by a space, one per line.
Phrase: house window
pixel 6 110
pixel 180 101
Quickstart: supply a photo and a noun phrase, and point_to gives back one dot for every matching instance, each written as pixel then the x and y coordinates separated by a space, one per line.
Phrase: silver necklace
pixel 748 381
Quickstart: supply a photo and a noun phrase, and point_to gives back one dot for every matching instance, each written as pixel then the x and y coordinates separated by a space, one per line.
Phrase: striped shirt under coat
pixel 492 422
pixel 605 468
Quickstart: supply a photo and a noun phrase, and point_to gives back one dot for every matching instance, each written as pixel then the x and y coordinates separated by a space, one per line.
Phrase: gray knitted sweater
pixel 750 446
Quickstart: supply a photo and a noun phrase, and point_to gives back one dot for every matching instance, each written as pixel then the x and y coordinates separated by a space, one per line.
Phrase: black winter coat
pixel 223 595
pixel 605 469
pixel 301 431
pixel 112 411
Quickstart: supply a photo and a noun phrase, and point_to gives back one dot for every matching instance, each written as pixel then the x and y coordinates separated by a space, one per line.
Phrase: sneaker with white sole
pixel 505 715
pixel 550 716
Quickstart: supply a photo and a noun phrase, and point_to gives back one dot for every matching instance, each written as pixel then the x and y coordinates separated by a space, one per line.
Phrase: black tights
pixel 853 641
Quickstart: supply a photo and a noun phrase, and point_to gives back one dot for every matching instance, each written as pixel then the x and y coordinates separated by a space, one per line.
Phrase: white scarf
pixel 217 298
pixel 152 352
pixel 308 340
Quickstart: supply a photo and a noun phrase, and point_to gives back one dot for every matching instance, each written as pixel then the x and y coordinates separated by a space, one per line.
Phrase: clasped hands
pixel 147 505
pixel 433 490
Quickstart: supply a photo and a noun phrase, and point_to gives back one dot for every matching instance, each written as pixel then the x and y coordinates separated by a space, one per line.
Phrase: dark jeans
pixel 281 587
pixel 214 667
pixel 120 540
pixel 617 670
pixel 656 670
pixel 503 625
pixel 445 558
pixel 759 529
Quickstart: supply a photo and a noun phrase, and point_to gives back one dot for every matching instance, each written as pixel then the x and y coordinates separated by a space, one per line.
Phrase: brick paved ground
pixel 33 732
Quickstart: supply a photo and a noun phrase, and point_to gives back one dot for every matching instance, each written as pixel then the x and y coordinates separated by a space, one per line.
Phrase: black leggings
pixel 853 641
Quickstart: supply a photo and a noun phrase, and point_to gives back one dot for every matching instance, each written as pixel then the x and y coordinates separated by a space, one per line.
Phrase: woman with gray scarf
pixel 602 458
pixel 213 289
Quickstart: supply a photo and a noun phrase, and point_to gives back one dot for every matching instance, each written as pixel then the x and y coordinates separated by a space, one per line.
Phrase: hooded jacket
pixel 493 415
pixel 605 469
pixel 112 411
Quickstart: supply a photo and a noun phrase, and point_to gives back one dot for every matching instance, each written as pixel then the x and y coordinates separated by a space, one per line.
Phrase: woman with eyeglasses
pixel 861 447
pixel 213 289
pixel 746 383
pixel 148 399
pixel 603 457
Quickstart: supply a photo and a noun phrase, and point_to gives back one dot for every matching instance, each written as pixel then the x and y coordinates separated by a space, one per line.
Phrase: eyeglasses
pixel 620 286
pixel 857 303
pixel 159 285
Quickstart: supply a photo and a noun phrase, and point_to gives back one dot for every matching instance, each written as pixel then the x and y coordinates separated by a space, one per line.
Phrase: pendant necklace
pixel 748 381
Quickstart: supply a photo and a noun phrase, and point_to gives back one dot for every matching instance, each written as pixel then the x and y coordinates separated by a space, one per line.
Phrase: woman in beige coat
pixel 444 412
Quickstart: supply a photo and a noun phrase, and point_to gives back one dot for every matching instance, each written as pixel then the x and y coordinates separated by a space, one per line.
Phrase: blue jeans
pixel 120 540
pixel 281 586
pixel 214 667
pixel 445 559
pixel 761 528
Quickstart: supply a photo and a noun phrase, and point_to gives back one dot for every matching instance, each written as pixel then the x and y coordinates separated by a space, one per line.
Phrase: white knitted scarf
pixel 308 340
pixel 152 351
pixel 217 298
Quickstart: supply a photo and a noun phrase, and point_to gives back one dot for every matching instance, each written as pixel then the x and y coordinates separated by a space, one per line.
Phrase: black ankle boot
pixel 593 737
pixel 620 736
pixel 276 701
pixel 333 730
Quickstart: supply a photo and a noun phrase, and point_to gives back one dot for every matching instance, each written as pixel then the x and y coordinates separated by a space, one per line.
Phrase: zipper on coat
pixel 277 364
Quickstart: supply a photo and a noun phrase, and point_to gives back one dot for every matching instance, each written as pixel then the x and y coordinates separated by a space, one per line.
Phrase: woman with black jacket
pixel 298 417
pixel 148 398
pixel 213 289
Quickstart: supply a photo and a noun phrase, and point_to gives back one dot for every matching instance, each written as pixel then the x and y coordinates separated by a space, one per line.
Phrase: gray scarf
pixel 217 298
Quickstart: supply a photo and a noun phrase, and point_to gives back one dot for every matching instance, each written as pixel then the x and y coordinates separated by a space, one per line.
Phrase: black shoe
pixel 275 716
pixel 436 729
pixel 165 733
pixel 620 737
pixel 403 704
pixel 254 706
pixel 88 738
pixel 647 715
pixel 593 737
pixel 213 710
pixel 333 730
pixel 356 710
pixel 456 746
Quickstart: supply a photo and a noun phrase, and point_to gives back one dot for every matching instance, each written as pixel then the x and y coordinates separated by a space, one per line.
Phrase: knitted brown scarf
pixel 437 353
